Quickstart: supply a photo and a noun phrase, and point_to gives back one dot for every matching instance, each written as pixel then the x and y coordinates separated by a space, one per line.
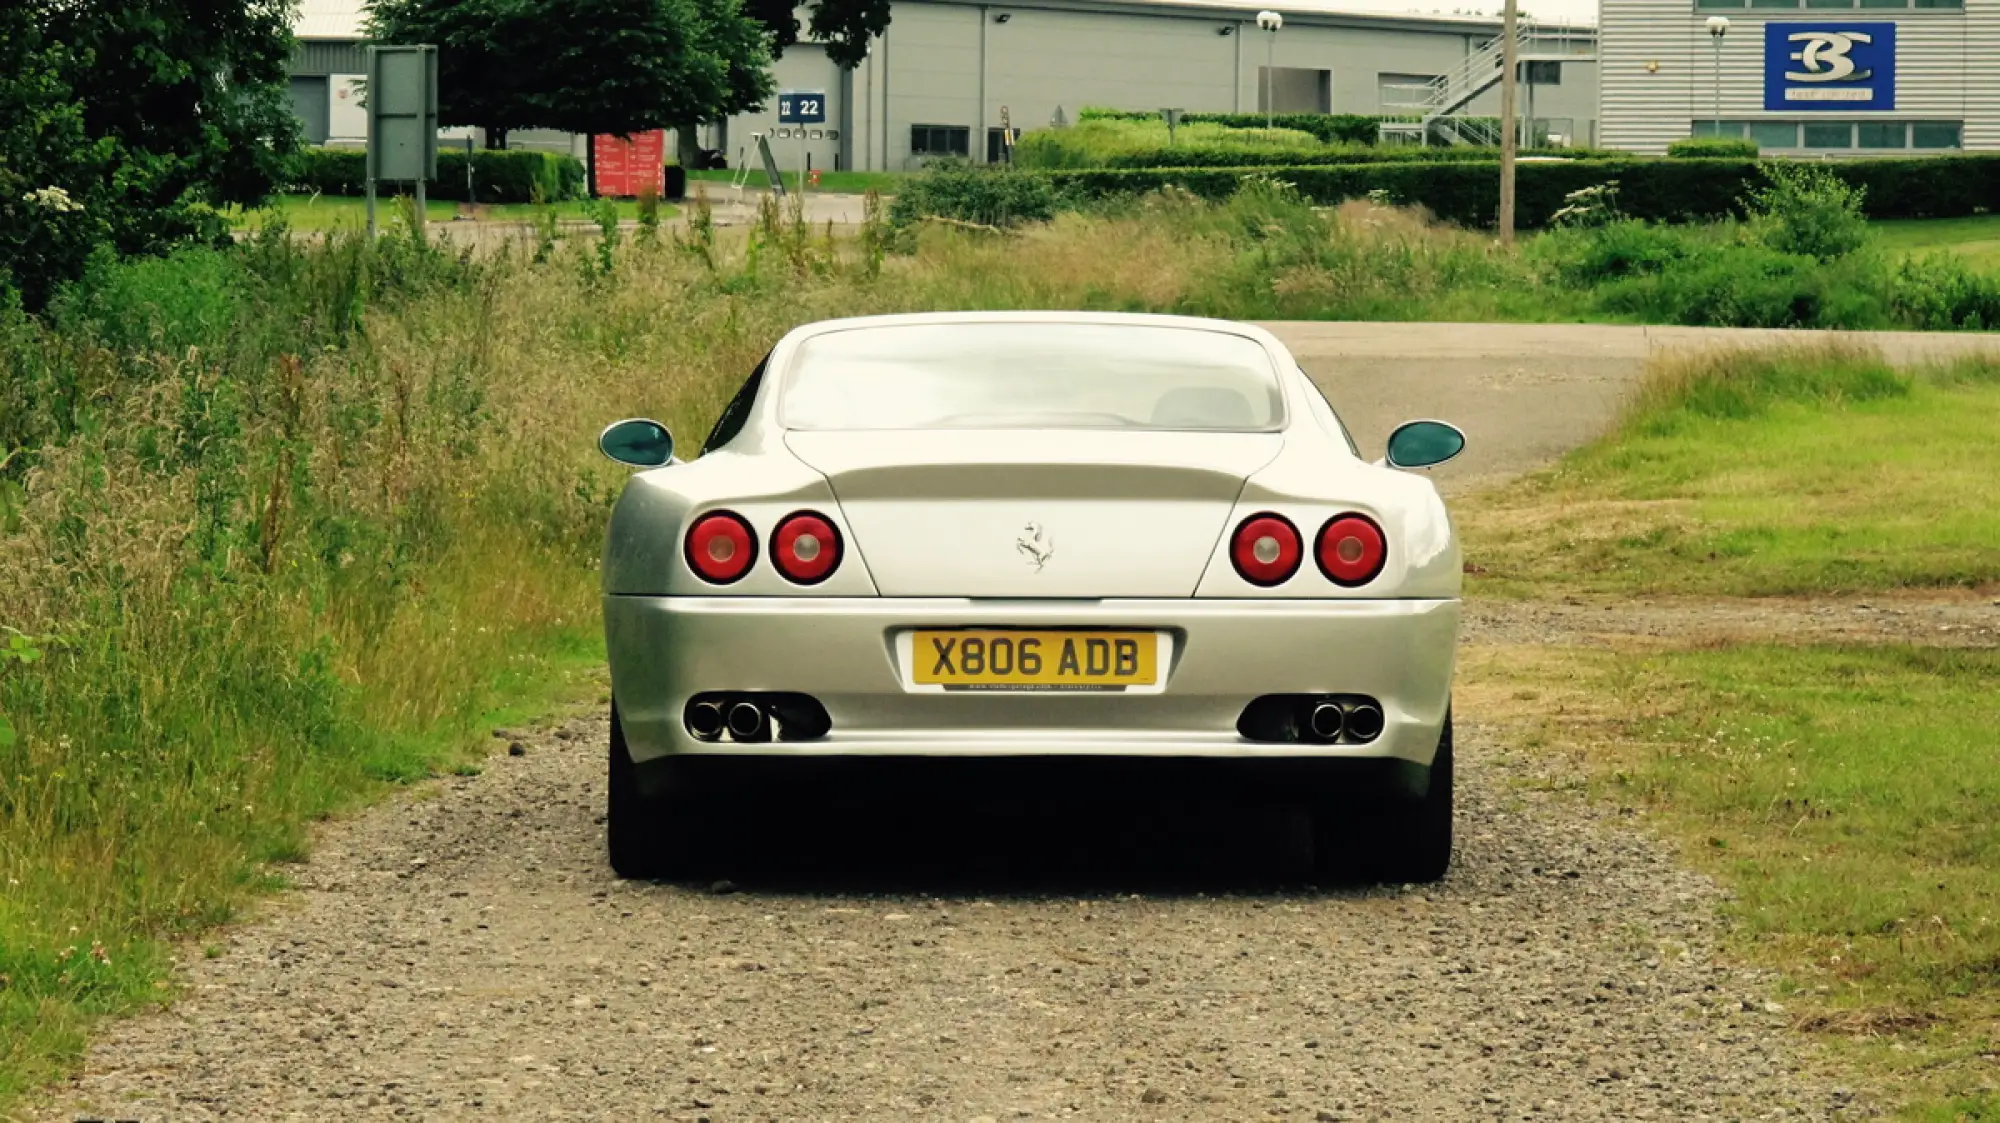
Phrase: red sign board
pixel 628 166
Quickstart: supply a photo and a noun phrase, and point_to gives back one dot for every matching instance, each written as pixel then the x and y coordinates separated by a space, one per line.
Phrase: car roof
pixel 1102 319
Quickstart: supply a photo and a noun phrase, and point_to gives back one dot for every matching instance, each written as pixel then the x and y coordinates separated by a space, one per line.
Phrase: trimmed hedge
pixel 1713 147
pixel 1468 193
pixel 497 176
pixel 1189 156
pixel 1332 128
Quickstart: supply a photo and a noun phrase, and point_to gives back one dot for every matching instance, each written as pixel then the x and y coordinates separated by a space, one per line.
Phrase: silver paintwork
pixel 1033 528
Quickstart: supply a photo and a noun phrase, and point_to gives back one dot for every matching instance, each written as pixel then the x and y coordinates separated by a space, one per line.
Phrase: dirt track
pixel 464 952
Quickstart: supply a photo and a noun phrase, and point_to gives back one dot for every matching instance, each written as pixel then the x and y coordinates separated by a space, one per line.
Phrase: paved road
pixel 1524 393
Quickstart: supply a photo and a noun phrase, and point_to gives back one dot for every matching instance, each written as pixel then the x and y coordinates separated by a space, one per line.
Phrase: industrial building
pixel 950 76
pixel 1803 77
pixel 939 82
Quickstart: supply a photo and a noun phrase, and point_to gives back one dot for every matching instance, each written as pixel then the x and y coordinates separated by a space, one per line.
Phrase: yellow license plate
pixel 990 659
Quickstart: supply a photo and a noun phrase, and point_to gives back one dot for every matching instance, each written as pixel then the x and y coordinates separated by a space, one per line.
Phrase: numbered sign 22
pixel 802 107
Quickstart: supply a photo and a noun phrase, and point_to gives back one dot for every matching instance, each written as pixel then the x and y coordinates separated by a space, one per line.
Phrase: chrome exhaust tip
pixel 1364 722
pixel 1326 722
pixel 746 721
pixel 704 720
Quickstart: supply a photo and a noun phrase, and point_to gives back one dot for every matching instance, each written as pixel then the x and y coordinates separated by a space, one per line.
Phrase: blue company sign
pixel 802 107
pixel 1837 66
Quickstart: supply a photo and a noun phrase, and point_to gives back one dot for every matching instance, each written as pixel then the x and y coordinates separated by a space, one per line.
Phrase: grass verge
pixel 325 213
pixel 1757 473
pixel 843 183
pixel 1976 239
pixel 1845 793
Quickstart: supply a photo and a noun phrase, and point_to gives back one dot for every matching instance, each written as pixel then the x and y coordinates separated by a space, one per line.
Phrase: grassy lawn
pixel 1977 239
pixel 1802 472
pixel 335 212
pixel 842 183
pixel 1845 793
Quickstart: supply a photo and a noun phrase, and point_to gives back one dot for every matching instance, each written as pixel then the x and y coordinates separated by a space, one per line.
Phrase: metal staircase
pixel 1439 104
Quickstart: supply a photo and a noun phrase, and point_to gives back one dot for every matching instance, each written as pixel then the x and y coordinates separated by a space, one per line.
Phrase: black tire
pixel 647 837
pixel 1396 840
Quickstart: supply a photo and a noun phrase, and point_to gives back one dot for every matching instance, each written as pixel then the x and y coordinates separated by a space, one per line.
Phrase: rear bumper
pixel 842 651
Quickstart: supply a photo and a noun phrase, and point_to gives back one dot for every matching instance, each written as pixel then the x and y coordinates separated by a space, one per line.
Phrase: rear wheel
pixel 1394 841
pixel 647 836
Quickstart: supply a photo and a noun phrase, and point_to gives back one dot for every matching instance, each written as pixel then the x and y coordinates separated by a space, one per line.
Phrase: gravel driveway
pixel 465 953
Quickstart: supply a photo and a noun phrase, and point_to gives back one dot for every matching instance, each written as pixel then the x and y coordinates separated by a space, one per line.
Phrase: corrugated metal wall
pixel 324 56
pixel 928 69
pixel 1982 91
pixel 1659 71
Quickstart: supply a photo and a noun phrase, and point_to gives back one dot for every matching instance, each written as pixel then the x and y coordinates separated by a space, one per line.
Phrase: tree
pixel 844 26
pixel 127 124
pixel 584 66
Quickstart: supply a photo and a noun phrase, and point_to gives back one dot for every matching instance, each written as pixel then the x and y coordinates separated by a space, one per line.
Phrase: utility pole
pixel 1510 137
pixel 1270 22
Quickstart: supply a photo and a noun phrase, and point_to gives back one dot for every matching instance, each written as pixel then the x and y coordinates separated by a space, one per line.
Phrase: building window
pixel 1881 134
pixel 1737 5
pixel 940 140
pixel 1828 135
pixel 1775 134
pixel 1934 134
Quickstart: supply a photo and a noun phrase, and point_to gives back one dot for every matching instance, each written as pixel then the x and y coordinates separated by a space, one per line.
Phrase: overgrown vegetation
pixel 498 176
pixel 1120 142
pixel 1842 792
pixel 1814 470
pixel 125 125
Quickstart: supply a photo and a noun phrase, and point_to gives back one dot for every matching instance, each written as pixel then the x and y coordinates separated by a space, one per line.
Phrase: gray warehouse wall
pixel 958 66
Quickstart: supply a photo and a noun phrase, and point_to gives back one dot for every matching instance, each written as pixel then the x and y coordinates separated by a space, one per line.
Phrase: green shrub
pixel 1941 292
pixel 1749 285
pixel 1468 193
pixel 1624 248
pixel 1330 128
pixel 989 196
pixel 1805 209
pixel 1105 143
pixel 511 176
pixel 1712 147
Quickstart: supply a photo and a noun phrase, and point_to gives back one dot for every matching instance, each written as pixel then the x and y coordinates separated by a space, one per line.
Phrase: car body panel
pixel 843 651
pixel 1079 528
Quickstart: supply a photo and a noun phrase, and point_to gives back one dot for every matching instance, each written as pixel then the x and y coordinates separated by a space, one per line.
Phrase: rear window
pixel 1031 376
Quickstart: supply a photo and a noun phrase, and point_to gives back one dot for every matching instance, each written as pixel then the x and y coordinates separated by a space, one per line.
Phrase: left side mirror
pixel 637 442
pixel 1424 444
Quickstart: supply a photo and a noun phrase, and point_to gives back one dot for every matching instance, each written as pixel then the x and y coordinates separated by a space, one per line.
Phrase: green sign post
pixel 402 120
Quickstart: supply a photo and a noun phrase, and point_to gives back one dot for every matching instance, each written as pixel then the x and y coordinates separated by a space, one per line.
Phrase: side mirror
pixel 1424 444
pixel 637 442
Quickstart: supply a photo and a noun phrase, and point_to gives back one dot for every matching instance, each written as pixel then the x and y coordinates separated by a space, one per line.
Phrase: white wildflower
pixel 55 199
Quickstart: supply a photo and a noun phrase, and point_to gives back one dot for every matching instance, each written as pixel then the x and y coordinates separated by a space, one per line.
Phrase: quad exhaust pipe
pixel 747 722
pixel 1326 722
pixel 755 717
pixel 1364 722
pixel 704 720
pixel 1313 719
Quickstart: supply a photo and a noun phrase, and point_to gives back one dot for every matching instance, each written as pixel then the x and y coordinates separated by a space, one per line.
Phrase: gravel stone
pixel 464 952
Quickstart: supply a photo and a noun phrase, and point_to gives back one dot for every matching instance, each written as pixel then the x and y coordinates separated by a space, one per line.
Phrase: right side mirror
pixel 1424 444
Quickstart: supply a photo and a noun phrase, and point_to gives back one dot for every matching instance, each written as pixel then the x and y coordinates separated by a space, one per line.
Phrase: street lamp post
pixel 1718 26
pixel 1270 22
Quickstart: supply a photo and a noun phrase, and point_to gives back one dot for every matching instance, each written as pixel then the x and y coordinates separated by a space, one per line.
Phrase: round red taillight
pixel 720 547
pixel 1266 549
pixel 1351 550
pixel 806 548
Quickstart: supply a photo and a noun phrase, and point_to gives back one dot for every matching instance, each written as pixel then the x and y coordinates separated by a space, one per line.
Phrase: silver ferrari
pixel 1033 535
